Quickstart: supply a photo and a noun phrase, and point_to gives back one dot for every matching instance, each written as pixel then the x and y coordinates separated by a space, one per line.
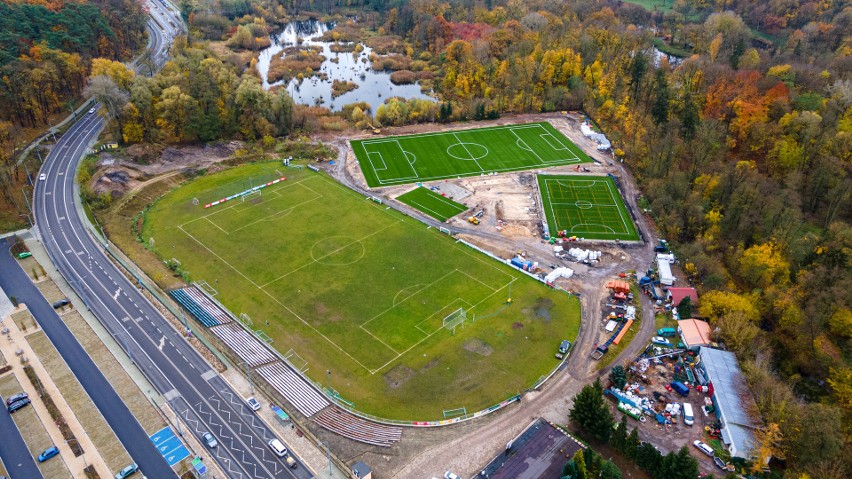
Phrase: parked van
pixel 688 418
pixel 277 447
pixel 680 388
pixel 667 332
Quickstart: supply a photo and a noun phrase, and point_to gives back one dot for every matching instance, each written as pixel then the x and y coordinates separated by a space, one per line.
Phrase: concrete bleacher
pixel 244 345
pixel 200 306
pixel 194 309
pixel 293 387
pixel 347 425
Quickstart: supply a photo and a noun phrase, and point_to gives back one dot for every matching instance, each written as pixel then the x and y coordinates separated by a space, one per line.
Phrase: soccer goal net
pixel 253 196
pixel 454 319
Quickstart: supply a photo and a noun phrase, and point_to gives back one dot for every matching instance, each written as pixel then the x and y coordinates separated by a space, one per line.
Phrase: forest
pixel 740 140
pixel 46 50
pixel 741 146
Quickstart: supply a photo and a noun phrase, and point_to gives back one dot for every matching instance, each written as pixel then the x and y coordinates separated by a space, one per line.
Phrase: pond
pixel 373 87
pixel 659 55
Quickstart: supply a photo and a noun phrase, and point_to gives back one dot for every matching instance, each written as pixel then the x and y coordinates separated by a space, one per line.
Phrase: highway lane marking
pixel 162 343
pixel 262 455
pixel 117 292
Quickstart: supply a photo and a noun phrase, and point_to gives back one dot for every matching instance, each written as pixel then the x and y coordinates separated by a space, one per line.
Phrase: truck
pixel 667 332
pixel 680 388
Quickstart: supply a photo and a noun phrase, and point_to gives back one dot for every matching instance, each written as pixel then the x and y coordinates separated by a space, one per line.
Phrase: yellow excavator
pixel 473 219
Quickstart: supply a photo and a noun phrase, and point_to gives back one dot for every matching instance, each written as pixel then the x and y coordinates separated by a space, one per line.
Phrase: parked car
pixel 688 417
pixel 291 463
pixel 18 405
pixel 127 472
pixel 277 447
pixel 252 403
pixel 720 463
pixel 209 440
pixel 667 332
pixel 661 340
pixel 680 388
pixel 48 453
pixel 451 475
pixel 563 348
pixel 62 302
pixel 15 398
pixel 703 447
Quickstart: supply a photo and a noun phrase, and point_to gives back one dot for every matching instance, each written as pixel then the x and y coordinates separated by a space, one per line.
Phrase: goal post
pixel 454 319
pixel 252 195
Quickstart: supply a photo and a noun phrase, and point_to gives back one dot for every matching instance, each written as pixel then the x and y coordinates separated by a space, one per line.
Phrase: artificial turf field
pixel 431 203
pixel 585 206
pixel 397 160
pixel 361 290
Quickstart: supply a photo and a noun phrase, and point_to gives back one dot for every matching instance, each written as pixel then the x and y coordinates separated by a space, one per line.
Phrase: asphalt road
pixel 16 457
pixel 16 283
pixel 187 382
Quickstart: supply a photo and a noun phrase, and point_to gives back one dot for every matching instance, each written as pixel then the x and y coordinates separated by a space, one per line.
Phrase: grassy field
pixel 585 206
pixel 431 203
pixel 361 290
pixel 397 160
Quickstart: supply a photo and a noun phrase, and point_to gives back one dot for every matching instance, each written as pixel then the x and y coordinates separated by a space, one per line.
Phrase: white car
pixel 92 111
pixel 660 340
pixel 42 176
pixel 703 447
pixel 451 475
pixel 253 404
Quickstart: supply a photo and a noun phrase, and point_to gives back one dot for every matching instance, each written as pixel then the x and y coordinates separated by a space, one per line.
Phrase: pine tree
pixel 648 457
pixel 618 376
pixel 580 465
pixel 591 413
pixel 631 446
pixel 677 465
pixel 660 107
pixel 618 440
pixel 610 471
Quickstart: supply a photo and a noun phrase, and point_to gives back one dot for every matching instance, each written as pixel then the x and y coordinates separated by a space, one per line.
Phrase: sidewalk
pixel 14 342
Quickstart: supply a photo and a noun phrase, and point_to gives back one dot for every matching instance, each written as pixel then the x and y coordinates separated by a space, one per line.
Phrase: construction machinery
pixel 473 219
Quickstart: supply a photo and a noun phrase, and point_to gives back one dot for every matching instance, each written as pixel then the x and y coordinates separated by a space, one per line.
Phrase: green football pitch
pixel 585 206
pixel 361 290
pixel 432 203
pixel 397 160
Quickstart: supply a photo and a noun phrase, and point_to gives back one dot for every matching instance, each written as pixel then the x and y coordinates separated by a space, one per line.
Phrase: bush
pixel 403 77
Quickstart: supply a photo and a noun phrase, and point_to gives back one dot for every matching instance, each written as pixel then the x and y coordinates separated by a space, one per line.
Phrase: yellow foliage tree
pixel 769 445
pixel 117 71
pixel 764 265
pixel 716 304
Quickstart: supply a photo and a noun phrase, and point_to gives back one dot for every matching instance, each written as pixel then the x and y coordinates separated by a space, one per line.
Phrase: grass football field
pixel 397 160
pixel 431 203
pixel 585 206
pixel 360 290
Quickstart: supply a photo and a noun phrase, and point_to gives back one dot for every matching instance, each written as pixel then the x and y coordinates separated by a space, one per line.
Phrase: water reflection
pixel 373 87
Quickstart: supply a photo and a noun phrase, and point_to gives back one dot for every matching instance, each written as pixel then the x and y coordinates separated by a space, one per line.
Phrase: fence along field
pixel 364 292
pixel 433 156
pixel 585 206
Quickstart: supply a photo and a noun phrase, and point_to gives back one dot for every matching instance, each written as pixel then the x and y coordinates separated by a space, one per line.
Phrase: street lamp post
pixel 82 451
